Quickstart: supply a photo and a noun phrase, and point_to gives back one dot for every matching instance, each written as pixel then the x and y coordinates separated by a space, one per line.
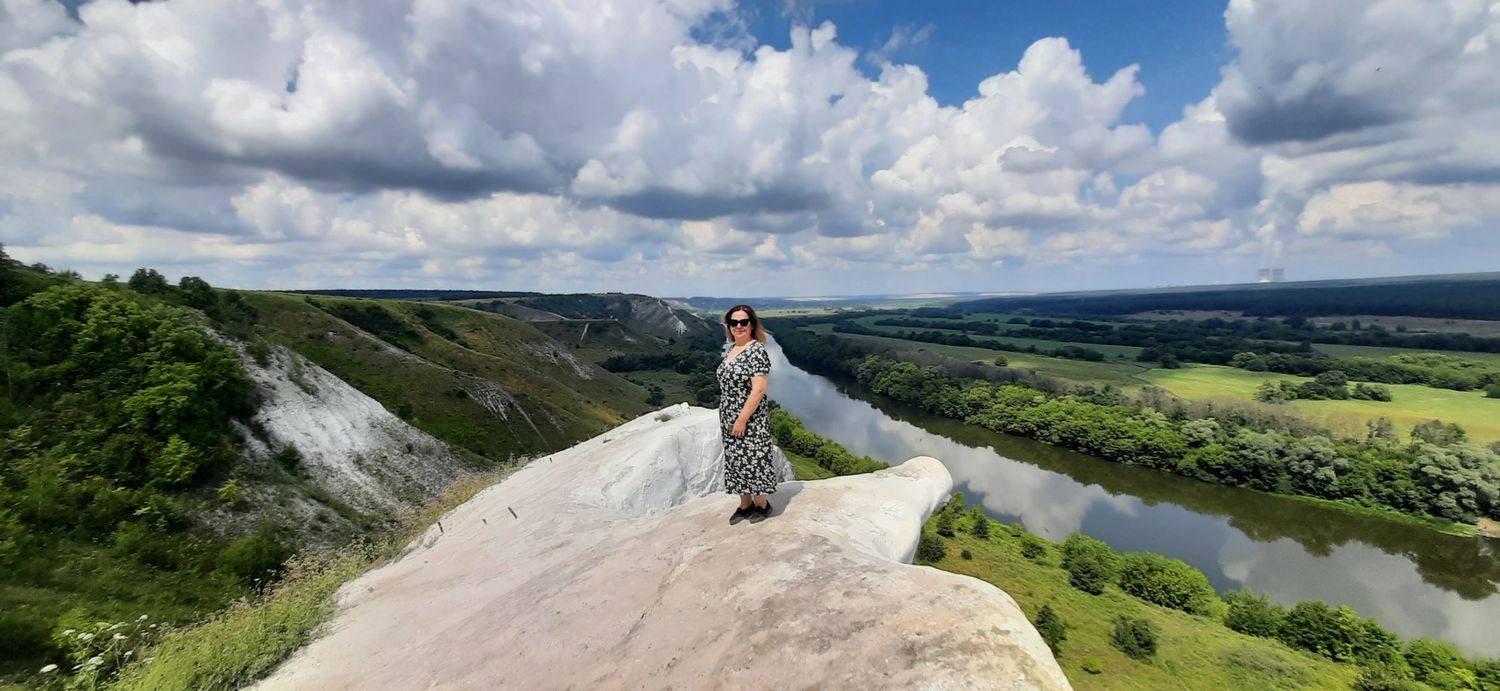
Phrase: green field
pixel 1412 404
pixel 1192 651
pixel 1119 373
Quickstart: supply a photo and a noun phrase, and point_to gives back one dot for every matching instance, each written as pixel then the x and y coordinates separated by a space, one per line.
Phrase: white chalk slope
pixel 613 565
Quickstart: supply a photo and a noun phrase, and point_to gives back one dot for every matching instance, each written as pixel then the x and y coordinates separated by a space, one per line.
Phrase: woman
pixel 743 376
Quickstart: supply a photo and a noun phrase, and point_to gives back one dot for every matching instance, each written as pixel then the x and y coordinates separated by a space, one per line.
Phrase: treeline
pixel 1448 298
pixel 1426 369
pixel 115 425
pixel 1330 385
pixel 1071 352
pixel 1453 482
pixel 830 455
pixel 1337 633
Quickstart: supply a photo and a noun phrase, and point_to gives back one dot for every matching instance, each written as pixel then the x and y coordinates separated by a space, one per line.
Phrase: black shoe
pixel 759 513
pixel 741 514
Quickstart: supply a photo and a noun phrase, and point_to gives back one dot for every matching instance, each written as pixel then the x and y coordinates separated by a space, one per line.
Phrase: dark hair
pixel 757 331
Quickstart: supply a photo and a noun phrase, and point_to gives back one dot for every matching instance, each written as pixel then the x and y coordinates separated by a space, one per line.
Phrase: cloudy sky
pixel 785 147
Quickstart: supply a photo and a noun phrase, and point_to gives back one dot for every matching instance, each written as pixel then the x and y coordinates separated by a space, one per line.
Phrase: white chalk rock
pixel 619 569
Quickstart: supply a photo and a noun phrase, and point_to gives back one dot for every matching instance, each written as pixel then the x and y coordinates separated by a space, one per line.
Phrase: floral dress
pixel 748 468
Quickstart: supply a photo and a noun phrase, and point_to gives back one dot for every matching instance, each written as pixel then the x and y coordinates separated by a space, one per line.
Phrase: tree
pixel 1135 637
pixel 1381 431
pixel 1253 614
pixel 149 282
pixel 1090 563
pixel 1167 582
pixel 981 527
pixel 1439 433
pixel 930 548
pixel 1054 631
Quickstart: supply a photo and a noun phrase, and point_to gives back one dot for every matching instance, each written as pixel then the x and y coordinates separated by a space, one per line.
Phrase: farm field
pixel 1413 404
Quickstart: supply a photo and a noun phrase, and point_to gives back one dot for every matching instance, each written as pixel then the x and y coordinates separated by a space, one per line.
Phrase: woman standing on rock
pixel 743 376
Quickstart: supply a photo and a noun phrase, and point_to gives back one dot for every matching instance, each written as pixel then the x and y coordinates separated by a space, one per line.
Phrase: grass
pixel 807 468
pixel 247 641
pixel 1193 651
pixel 1412 404
pixel 674 386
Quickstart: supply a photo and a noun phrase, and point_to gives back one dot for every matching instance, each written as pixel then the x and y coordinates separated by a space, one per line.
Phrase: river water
pixel 1414 581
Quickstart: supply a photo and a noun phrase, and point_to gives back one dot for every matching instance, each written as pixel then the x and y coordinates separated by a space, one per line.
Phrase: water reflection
pixel 1414 581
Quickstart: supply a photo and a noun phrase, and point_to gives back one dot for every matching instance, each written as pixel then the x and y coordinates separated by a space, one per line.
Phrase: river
pixel 1414 581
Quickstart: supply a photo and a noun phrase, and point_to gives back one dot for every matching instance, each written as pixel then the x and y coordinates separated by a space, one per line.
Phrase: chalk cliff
pixel 612 564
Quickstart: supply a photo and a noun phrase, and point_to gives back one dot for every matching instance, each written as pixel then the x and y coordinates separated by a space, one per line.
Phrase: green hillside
pixel 486 383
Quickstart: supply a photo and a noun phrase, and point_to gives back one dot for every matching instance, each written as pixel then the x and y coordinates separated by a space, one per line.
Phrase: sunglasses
pixel 738 322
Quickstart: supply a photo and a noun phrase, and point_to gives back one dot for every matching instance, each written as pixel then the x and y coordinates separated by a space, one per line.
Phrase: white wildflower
pixel 116 626
pixel 153 626
pixel 69 632
pixel 141 618
pixel 128 653
pixel 49 669
pixel 119 636
pixel 95 661
pixel 85 636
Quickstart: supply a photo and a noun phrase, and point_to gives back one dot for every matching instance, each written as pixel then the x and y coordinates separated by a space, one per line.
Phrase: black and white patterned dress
pixel 748 468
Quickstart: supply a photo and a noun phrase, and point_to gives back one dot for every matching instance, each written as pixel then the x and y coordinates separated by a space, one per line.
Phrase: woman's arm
pixel 758 385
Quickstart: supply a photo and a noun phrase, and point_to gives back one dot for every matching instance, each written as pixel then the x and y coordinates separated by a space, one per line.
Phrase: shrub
pixel 1092 666
pixel 1253 614
pixel 24 635
pixel 1052 628
pixel 1090 563
pixel 966 554
pixel 1033 547
pixel 1167 582
pixel 1335 633
pixel 1492 391
pixel 930 548
pixel 258 556
pixel 1428 658
pixel 981 527
pixel 944 524
pixel 1135 637
pixel 1386 678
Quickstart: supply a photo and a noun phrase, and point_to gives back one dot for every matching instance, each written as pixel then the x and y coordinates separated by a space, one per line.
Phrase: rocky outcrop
pixel 613 565
pixel 345 442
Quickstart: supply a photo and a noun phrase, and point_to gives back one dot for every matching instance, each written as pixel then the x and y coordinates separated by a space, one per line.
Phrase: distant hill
pixel 1466 296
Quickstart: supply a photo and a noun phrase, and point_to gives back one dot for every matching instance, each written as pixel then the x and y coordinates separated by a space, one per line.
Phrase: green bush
pixel 1386 678
pixel 1492 391
pixel 1033 547
pixel 930 548
pixel 1054 631
pixel 1091 665
pixel 1135 637
pixel 1431 659
pixel 24 635
pixel 1167 582
pixel 1253 614
pixel 1336 633
pixel 981 527
pixel 965 554
pixel 1090 563
pixel 258 556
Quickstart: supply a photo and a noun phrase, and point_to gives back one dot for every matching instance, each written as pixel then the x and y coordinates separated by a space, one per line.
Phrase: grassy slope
pixel 562 406
pixel 1192 652
pixel 1412 404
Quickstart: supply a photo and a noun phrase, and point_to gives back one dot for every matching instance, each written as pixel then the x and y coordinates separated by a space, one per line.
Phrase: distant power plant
pixel 1275 275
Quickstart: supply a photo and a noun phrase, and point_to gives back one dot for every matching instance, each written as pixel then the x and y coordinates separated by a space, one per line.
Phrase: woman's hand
pixel 739 429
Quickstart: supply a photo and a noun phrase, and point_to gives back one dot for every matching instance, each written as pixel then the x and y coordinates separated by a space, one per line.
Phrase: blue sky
pixel 1178 44
pixel 773 147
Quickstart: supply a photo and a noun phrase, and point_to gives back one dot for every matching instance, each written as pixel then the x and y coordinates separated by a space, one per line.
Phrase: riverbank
pixel 1443 484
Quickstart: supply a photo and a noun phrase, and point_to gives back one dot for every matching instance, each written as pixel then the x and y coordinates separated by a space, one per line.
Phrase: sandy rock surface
pixel 620 569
